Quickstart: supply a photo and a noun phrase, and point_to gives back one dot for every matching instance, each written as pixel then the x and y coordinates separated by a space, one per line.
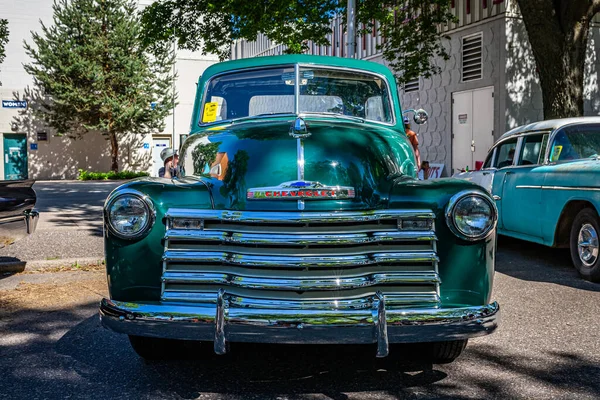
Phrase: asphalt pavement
pixel 548 345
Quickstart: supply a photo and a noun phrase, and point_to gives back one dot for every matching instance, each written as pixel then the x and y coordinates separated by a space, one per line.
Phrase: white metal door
pixel 158 144
pixel 472 127
pixel 462 130
pixel 483 123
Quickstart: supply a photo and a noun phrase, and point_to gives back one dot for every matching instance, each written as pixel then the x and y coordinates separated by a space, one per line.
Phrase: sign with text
pixel 434 171
pixel 14 104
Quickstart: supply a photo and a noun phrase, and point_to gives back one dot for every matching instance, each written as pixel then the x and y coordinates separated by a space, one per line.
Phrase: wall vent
pixel 471 57
pixel 411 86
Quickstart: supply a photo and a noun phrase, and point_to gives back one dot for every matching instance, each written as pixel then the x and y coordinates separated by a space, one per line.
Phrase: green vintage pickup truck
pixel 298 218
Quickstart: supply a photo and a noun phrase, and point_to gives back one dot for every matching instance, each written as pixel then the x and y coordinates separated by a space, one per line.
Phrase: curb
pixel 40 265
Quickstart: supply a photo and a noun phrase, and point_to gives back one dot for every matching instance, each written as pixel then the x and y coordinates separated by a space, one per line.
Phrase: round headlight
pixel 471 215
pixel 130 214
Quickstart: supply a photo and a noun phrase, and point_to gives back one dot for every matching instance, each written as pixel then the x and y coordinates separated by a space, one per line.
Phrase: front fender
pixel 466 268
pixel 134 267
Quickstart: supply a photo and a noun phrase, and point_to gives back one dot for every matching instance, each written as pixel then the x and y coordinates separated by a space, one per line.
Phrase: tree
pixel 558 32
pixel 96 75
pixel 3 39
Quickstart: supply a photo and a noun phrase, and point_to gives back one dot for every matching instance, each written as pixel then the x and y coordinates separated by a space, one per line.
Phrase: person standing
pixel 412 138
pixel 170 159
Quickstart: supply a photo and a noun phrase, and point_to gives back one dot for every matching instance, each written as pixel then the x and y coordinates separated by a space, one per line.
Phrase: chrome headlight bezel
pixel 450 215
pixel 150 209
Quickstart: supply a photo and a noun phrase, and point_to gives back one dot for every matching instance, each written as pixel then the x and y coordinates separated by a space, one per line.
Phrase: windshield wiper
pixel 336 115
pixel 233 121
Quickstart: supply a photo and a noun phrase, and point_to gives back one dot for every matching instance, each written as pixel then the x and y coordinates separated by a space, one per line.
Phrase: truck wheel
pixel 584 244
pixel 150 348
pixel 446 352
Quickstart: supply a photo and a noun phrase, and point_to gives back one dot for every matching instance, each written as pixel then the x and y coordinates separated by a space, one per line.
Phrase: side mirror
pixel 421 117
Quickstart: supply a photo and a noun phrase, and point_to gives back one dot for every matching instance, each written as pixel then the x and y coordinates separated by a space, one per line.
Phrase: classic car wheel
pixel 151 348
pixel 585 244
pixel 446 352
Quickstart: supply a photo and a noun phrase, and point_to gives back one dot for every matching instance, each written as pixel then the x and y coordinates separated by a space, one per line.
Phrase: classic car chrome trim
pixel 296 112
pixel 496 197
pixel 582 188
pixel 31 219
pixel 297 284
pixel 284 217
pixel 450 215
pixel 225 322
pixel 381 334
pixel 277 239
pixel 149 206
pixel 320 261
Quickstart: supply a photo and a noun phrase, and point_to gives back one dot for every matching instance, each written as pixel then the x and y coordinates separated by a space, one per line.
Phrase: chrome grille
pixel 301 259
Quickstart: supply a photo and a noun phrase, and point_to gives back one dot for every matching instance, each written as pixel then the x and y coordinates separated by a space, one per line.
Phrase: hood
pixel 252 157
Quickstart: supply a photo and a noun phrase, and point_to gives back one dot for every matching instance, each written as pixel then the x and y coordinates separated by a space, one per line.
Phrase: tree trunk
pixel 114 152
pixel 558 33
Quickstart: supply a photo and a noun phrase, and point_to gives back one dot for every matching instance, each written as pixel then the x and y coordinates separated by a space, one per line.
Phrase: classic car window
pixel 531 149
pixel 359 94
pixel 506 154
pixel 271 91
pixel 576 142
pixel 488 160
pixel 230 96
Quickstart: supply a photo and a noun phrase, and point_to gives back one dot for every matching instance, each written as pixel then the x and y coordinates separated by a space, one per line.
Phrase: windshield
pixel 576 142
pixel 271 92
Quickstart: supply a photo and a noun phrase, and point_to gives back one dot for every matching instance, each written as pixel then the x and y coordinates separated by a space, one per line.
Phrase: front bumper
pixel 17 227
pixel 266 323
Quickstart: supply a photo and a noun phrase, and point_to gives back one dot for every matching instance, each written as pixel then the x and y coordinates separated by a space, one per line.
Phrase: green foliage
pixel 3 39
pixel 96 74
pixel 410 28
pixel 212 26
pixel 111 175
pixel 412 42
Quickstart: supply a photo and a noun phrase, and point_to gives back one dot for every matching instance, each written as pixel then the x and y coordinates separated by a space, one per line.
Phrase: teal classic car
pixel 297 218
pixel 545 180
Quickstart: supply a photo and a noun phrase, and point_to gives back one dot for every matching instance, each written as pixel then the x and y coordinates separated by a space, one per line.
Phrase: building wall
pixel 61 157
pixel 435 94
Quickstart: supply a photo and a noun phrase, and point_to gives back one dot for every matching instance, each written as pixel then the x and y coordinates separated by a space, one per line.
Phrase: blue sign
pixel 14 104
pixel 33 146
pixel 146 145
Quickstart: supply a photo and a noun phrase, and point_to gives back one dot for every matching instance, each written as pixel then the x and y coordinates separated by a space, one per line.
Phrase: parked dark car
pixel 18 218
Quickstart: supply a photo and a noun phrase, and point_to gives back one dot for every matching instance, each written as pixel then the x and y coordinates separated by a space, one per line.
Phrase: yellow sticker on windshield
pixel 556 153
pixel 210 112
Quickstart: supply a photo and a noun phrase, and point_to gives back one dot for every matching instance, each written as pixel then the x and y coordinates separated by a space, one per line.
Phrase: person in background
pixel 170 159
pixel 412 138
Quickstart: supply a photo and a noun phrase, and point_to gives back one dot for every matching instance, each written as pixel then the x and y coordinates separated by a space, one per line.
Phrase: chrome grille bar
pixel 272 238
pixel 282 283
pixel 275 261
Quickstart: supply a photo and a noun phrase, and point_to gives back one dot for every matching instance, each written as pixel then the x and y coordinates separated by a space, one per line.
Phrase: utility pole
pixel 351 21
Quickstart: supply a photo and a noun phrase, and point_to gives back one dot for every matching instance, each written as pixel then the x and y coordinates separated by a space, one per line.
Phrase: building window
pixel 471 57
pixel 411 86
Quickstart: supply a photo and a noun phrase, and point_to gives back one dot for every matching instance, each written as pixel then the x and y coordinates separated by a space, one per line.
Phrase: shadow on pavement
pixel 534 262
pixel 63 358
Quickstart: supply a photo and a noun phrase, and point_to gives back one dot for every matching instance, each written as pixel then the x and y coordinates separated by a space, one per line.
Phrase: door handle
pixel 496 197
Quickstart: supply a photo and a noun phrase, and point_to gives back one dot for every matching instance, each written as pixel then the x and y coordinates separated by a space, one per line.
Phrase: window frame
pixel 556 132
pixel 393 122
pixel 521 148
pixel 497 151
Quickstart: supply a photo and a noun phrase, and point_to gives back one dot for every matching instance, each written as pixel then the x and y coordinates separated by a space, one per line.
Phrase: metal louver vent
pixel 411 86
pixel 471 57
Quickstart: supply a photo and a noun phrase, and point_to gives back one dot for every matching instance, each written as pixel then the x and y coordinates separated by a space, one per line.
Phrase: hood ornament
pixel 301 190
pixel 299 129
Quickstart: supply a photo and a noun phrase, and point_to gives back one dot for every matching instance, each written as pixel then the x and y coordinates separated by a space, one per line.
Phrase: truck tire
pixel 150 348
pixel 446 352
pixel 584 244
